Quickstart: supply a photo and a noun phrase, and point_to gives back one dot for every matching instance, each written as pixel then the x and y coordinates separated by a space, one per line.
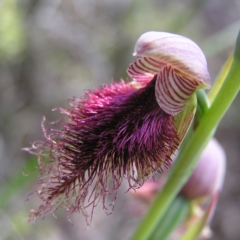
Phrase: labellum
pixel 126 130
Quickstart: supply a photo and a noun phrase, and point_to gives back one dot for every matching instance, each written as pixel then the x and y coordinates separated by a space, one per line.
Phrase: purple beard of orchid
pixel 120 131
pixel 113 132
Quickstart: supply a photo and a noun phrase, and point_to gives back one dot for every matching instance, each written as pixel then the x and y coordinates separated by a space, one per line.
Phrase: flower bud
pixel 207 178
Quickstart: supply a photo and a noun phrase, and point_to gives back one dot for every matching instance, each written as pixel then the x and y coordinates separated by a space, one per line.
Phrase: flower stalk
pixel 220 79
pixel 177 212
pixel 196 228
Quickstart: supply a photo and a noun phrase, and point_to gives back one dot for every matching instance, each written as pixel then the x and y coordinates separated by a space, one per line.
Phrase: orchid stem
pixel 220 79
pixel 186 161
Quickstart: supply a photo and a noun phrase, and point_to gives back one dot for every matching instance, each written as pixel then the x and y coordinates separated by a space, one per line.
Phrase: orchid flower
pixel 125 130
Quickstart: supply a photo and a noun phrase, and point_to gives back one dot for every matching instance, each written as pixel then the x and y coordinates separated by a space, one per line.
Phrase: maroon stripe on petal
pixel 174 87
pixel 155 62
pixel 183 87
pixel 144 69
pixel 173 90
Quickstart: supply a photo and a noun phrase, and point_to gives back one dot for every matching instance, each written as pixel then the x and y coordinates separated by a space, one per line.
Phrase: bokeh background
pixel 53 50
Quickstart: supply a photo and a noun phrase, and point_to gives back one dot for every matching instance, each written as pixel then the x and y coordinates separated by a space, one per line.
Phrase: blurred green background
pixel 53 50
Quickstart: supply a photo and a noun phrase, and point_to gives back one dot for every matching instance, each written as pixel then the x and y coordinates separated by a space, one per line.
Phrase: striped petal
pixel 179 64
pixel 173 90
pixel 180 52
pixel 143 69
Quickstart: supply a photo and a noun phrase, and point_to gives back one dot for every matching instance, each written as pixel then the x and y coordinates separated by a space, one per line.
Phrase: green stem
pixel 220 79
pixel 202 106
pixel 196 228
pixel 177 212
pixel 186 161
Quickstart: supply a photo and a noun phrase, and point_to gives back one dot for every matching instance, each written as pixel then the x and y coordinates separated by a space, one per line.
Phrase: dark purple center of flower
pixel 128 128
pixel 115 132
